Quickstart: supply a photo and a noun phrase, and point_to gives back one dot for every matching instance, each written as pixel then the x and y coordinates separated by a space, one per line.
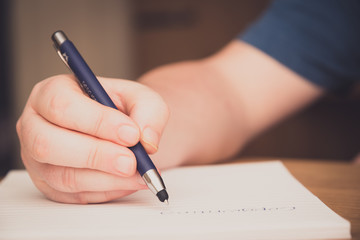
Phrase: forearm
pixel 219 103
pixel 200 128
pixel 267 90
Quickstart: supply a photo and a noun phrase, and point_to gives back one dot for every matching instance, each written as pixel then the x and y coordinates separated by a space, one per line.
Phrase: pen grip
pixel 93 88
pixel 143 160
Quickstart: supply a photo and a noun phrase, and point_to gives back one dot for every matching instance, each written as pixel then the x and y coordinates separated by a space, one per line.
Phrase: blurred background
pixel 125 38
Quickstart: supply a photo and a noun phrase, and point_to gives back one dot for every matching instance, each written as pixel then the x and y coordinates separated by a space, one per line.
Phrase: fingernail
pixel 125 165
pixel 150 137
pixel 128 134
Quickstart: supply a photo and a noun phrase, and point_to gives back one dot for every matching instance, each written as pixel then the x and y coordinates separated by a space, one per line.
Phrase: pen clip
pixel 63 57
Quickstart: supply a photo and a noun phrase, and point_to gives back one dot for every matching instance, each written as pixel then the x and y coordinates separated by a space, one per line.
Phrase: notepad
pixel 235 201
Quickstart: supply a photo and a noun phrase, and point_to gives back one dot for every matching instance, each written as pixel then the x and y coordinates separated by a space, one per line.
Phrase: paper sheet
pixel 236 201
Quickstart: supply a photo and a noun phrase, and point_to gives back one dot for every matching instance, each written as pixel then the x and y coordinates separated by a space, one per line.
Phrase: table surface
pixel 337 184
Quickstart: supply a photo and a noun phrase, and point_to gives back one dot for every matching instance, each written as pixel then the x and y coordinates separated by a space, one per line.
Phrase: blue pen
pixel 89 83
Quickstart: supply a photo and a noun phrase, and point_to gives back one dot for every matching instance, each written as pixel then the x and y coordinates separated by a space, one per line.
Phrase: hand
pixel 75 149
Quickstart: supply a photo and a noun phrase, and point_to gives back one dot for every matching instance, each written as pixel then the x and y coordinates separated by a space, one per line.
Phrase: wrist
pixel 201 126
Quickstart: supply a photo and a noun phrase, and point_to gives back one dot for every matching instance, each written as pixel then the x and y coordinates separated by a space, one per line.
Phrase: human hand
pixel 75 149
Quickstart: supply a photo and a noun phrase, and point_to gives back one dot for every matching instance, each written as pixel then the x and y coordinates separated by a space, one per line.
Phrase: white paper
pixel 236 201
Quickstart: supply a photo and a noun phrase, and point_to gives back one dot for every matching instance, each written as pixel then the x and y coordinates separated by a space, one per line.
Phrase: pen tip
pixel 162 195
pixel 167 202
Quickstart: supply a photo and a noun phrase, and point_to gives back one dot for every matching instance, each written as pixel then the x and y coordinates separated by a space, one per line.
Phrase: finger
pixel 60 101
pixel 48 143
pixel 145 107
pixel 67 179
pixel 80 197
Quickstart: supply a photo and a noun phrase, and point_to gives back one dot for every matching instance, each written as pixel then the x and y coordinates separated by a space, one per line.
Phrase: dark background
pixel 160 32
pixel 7 136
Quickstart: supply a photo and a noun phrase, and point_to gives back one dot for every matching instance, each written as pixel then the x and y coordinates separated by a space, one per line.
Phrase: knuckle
pixel 68 180
pixel 40 146
pixel 37 88
pixel 94 157
pixel 50 176
pixel 96 128
pixel 57 106
pixel 47 85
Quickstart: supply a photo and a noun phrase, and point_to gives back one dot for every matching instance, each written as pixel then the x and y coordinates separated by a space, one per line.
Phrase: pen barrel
pixel 85 76
pixel 144 162
pixel 93 88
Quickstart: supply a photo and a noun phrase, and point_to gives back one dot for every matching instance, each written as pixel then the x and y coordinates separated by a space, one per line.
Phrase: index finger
pixel 60 101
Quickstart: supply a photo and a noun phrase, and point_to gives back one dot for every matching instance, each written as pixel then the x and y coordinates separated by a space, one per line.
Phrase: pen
pixel 89 83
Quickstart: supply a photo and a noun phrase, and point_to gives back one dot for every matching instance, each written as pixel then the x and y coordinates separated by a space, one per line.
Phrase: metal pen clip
pixel 62 56
pixel 59 38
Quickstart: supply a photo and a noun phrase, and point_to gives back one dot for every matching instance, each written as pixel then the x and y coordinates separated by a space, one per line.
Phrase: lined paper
pixel 259 200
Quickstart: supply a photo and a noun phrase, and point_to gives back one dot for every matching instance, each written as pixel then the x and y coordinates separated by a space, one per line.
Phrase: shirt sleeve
pixel 319 39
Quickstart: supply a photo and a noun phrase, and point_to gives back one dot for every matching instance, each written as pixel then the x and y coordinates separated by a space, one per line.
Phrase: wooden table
pixel 337 184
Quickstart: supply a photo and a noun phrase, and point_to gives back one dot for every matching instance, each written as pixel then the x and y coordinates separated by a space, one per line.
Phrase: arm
pixel 219 103
pixel 75 149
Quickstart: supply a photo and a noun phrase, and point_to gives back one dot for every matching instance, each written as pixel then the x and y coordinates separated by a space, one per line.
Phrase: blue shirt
pixel 318 39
